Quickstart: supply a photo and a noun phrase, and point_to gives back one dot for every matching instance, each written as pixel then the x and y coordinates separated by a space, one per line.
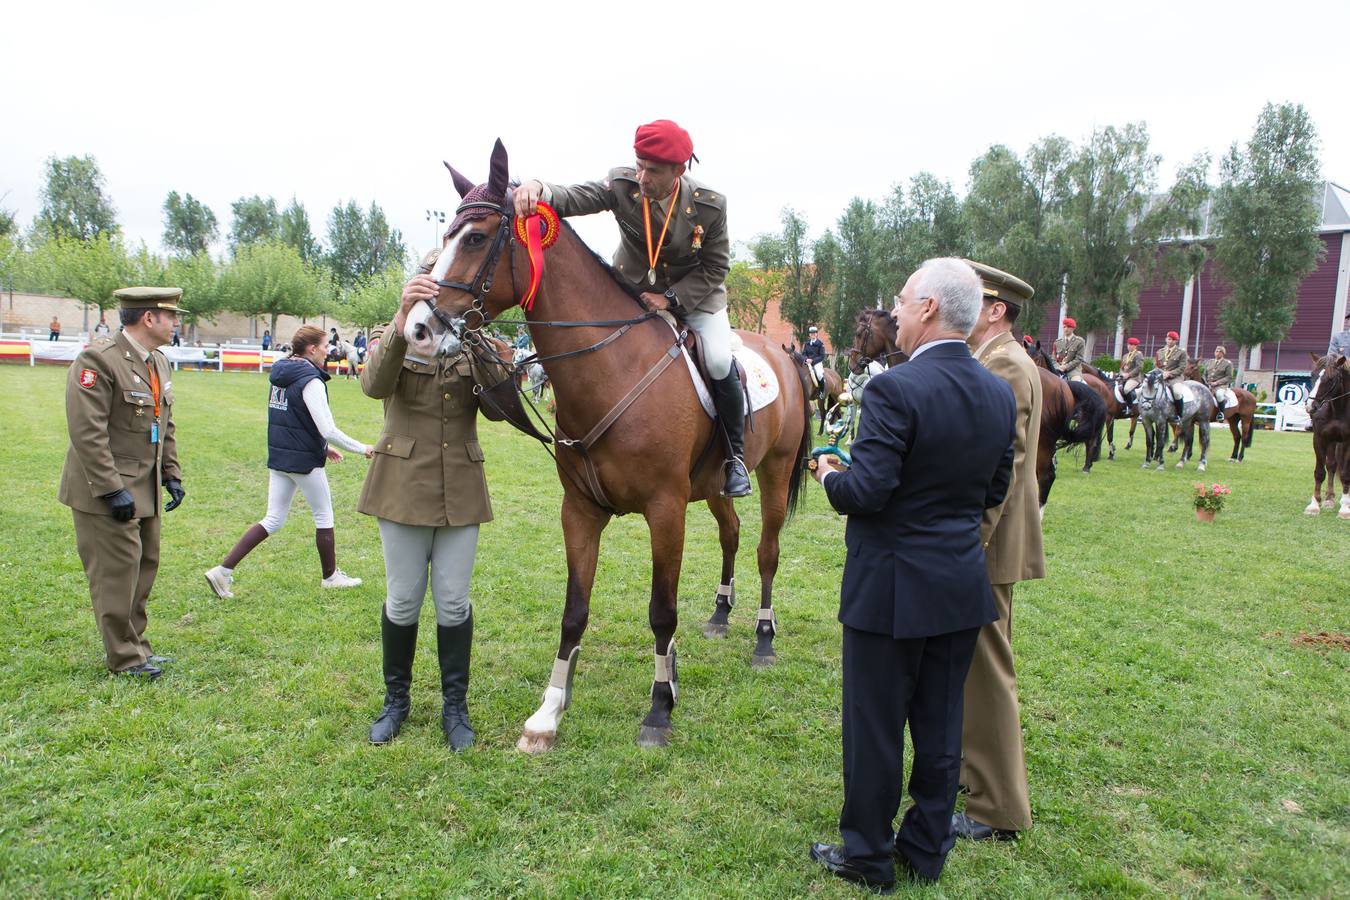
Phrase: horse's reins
pixel 481 285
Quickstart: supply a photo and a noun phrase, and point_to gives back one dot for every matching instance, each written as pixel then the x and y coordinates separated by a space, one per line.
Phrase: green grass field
pixel 1179 741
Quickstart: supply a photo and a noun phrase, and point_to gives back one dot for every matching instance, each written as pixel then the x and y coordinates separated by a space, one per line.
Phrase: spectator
pixel 299 427
pixel 177 340
pixel 101 328
pixel 55 334
pixel 267 339
pixel 360 344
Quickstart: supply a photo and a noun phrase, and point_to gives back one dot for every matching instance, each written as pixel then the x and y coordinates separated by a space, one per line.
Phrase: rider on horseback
pixel 814 351
pixel 673 242
pixel 1131 373
pixel 1172 361
pixel 1070 351
pixel 1219 375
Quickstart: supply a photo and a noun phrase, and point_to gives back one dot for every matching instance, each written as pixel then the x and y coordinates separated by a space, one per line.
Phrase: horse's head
pixel 474 269
pixel 1151 391
pixel 874 338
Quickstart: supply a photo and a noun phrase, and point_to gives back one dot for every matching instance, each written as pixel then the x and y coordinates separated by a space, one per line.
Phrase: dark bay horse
pixel 622 448
pixel 1109 382
pixel 1330 412
pixel 1241 418
pixel 832 386
pixel 1111 409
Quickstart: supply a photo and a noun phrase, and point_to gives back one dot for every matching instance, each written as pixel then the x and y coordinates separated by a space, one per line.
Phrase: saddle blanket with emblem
pixel 761 382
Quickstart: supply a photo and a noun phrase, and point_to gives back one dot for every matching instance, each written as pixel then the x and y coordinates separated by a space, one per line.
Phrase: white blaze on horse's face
pixel 425 334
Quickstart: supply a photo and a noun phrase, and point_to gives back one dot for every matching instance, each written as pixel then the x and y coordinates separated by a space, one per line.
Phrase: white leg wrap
pixel 727 592
pixel 766 615
pixel 1313 507
pixel 666 672
pixel 1345 506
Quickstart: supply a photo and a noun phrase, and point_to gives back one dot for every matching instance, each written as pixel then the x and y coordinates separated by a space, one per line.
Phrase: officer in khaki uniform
pixel 1131 371
pixel 993 764
pixel 673 246
pixel 119 412
pixel 427 489
pixel 1172 360
pixel 1070 352
pixel 1219 376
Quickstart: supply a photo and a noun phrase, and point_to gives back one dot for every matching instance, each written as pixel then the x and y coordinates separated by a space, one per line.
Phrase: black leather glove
pixel 176 494
pixel 123 505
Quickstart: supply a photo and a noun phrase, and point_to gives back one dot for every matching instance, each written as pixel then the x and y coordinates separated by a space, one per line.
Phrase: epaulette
pixel 708 197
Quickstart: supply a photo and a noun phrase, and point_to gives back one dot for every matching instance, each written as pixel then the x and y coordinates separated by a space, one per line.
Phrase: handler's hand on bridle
pixel 415 290
pixel 655 302
pixel 527 196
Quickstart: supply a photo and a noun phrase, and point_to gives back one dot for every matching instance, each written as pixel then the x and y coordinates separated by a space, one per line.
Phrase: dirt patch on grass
pixel 1333 639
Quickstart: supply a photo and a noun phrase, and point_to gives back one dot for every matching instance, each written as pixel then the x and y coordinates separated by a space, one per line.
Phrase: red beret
pixel 663 141
pixel 1069 323
pixel 1174 336
pixel 1133 342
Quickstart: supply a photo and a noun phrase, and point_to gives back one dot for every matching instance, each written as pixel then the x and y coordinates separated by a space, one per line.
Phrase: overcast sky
pixel 794 104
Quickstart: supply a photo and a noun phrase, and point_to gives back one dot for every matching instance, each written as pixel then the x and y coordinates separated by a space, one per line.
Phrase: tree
pixel 88 271
pixel 1267 216
pixel 74 204
pixel 375 299
pixel 917 225
pixel 858 273
pixel 1013 213
pixel 254 220
pixel 293 228
pixel 199 277
pixel 361 244
pixel 270 279
pixel 750 290
pixel 189 225
pixel 821 287
pixel 798 308
pixel 8 225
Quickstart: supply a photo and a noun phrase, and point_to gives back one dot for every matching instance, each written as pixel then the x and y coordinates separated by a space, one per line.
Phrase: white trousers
pixel 281 491
pixel 409 551
pixel 714 338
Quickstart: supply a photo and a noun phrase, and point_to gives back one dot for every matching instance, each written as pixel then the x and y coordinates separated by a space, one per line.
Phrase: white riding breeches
pixel 714 338
pixel 416 554
pixel 819 369
pixel 281 491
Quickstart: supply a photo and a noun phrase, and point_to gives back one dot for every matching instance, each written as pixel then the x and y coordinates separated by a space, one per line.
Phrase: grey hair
pixel 957 289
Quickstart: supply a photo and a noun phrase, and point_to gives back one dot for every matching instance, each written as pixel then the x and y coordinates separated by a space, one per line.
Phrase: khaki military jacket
pixel 1011 532
pixel 1069 352
pixel 110 414
pixel 1220 373
pixel 1132 364
pixel 1173 362
pixel 428 464
pixel 697 273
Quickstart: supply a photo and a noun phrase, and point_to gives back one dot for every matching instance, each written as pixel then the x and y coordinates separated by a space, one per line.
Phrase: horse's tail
pixel 798 476
pixel 1088 418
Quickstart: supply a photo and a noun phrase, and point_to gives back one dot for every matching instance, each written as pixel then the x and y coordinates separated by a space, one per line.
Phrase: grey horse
pixel 1155 410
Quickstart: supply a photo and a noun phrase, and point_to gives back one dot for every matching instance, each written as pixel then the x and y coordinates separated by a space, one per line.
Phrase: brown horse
pixel 1330 412
pixel 648 447
pixel 1097 383
pixel 1241 418
pixel 827 398
pixel 1114 408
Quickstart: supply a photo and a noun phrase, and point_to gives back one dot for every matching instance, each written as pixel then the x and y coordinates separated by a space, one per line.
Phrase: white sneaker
pixel 220 581
pixel 340 579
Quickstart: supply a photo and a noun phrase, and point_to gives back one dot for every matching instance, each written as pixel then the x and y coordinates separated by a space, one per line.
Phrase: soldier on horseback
pixel 1172 361
pixel 673 243
pixel 1131 373
pixel 814 351
pixel 1219 375
pixel 1070 351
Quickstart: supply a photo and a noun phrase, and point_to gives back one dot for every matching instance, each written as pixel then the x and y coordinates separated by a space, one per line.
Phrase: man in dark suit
pixel 934 450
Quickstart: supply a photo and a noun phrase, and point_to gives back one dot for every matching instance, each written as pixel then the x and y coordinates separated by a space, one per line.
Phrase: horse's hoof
pixel 1200 468
pixel 1181 465
pixel 651 736
pixel 1313 509
pixel 715 630
pixel 763 661
pixel 1328 504
pixel 1161 468
pixel 1144 466
pixel 536 741
pixel 1087 470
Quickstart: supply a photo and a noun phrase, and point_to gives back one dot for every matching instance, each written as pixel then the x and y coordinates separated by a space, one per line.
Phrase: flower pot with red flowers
pixel 1209 499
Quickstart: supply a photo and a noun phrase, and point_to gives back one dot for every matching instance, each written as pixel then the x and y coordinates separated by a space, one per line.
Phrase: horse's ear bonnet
pixel 494 191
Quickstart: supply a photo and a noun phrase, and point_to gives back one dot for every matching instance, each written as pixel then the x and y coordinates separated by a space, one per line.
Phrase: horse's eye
pixel 475 239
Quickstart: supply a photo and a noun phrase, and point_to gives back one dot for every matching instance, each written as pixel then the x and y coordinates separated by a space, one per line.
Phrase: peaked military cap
pixel 149 298
pixel 999 285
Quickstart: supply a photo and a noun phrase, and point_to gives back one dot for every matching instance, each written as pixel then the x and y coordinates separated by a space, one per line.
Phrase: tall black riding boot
pixel 729 399
pixel 452 646
pixel 400 644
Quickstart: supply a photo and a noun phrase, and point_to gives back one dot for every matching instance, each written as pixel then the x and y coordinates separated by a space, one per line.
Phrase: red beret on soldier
pixel 1069 323
pixel 1174 336
pixel 663 141
pixel 1133 342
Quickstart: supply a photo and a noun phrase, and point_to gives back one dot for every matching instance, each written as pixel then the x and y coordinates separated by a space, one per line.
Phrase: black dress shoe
pixel 144 670
pixel 832 857
pixel 974 830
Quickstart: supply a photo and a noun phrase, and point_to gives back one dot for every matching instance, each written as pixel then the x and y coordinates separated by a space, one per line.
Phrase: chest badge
pixel 698 238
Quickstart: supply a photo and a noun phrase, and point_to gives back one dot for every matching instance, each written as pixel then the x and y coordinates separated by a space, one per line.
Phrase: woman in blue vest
pixel 299 427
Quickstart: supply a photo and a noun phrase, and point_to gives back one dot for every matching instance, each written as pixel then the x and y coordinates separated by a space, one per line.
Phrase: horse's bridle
pixel 481 284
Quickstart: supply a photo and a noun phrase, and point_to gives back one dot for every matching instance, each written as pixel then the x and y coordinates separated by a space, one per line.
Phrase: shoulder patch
pixel 709 197
pixel 88 378
pixel 623 173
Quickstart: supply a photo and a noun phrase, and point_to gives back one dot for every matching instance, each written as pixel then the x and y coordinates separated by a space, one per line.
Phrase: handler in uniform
pixel 1219 375
pixel 1069 352
pixel 993 764
pixel 1131 372
pixel 119 412
pixel 427 489
pixel 673 245
pixel 1340 343
pixel 1173 360
pixel 814 353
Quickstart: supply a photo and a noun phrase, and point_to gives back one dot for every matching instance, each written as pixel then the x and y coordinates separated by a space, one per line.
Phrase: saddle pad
pixel 1184 393
pixel 1230 399
pixel 1120 398
pixel 761 382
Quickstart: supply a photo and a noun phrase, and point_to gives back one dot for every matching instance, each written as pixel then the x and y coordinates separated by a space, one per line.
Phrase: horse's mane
pixel 632 290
